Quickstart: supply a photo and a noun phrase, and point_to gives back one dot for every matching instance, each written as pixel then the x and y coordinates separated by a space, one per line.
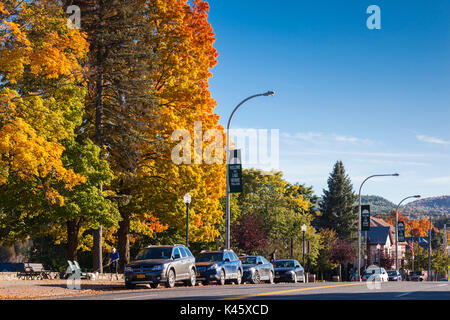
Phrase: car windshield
pixel 209 257
pixel 155 253
pixel 392 272
pixel 284 264
pixel 372 271
pixel 248 260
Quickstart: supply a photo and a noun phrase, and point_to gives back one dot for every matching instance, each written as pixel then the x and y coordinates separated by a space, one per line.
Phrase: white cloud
pixel 439 180
pixel 353 140
pixel 319 137
pixel 429 139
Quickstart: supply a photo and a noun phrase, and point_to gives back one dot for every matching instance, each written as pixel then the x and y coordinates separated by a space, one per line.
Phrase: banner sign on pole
pixel 401 231
pixel 365 217
pixel 235 171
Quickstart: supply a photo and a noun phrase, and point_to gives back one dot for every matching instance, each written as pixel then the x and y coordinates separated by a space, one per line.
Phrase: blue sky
pixel 378 100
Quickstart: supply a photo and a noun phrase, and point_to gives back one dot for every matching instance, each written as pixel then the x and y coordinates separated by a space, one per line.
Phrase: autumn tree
pixel 47 168
pixel 40 103
pixel 247 234
pixel 413 227
pixel 183 41
pixel 342 251
pixel 150 63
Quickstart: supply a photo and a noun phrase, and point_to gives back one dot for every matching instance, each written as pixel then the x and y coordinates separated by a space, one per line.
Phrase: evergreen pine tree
pixel 338 204
pixel 120 107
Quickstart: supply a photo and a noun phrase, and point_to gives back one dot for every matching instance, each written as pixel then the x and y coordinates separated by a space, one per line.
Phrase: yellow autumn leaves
pixel 36 43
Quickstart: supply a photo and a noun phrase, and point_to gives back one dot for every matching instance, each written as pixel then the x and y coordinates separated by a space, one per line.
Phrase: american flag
pixel 410 245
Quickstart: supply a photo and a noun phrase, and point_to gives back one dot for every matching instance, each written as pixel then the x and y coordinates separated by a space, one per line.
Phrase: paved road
pixel 286 291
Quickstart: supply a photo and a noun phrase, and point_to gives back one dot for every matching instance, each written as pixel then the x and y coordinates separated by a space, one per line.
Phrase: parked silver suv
pixel 161 264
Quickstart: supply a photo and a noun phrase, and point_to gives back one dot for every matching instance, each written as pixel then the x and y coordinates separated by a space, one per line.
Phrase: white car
pixel 375 273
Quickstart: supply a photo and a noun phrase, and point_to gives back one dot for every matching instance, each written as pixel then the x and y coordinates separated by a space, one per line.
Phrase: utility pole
pixel 429 251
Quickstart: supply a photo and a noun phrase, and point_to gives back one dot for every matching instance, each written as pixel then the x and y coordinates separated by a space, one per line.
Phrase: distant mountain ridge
pixel 378 205
pixel 436 206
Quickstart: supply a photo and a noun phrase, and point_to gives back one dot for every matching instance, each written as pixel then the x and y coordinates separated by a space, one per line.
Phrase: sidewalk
pixel 34 289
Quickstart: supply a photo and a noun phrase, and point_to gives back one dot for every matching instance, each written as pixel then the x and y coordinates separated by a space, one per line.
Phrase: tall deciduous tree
pixel 338 211
pixel 48 169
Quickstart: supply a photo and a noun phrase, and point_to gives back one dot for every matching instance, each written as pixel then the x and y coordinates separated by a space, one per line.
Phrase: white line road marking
pixel 443 285
pixel 403 294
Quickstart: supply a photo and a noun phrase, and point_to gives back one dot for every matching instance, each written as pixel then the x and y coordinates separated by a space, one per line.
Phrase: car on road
pixel 218 266
pixel 257 269
pixel 161 264
pixel 394 275
pixel 376 274
pixel 417 276
pixel 289 270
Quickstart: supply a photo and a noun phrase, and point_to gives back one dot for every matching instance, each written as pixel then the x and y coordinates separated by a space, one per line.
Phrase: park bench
pixel 33 271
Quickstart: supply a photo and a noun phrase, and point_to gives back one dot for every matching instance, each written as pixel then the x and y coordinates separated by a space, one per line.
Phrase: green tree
pixel 282 207
pixel 338 211
pixel 324 262
pixel 440 262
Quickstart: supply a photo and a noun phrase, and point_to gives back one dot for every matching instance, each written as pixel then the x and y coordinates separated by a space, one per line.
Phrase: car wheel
pixel 271 278
pixel 192 279
pixel 239 277
pixel 130 285
pixel 170 282
pixel 154 285
pixel 256 278
pixel 222 277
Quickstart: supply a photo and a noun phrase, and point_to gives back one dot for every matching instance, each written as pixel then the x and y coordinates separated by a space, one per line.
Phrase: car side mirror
pixel 176 256
pixel 226 260
pixel 260 262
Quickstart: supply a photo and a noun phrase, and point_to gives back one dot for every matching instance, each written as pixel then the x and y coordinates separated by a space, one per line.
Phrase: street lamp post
pixel 379 256
pixel 227 216
pixel 187 201
pixel 359 217
pixel 396 228
pixel 303 252
pixel 429 252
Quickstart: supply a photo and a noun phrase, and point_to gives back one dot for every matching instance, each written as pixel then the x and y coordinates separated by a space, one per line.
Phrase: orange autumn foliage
pixel 184 43
pixel 414 227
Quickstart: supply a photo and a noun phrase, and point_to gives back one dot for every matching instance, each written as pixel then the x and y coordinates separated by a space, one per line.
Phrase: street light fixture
pixel 359 217
pixel 227 215
pixel 187 201
pixel 396 229
pixel 304 227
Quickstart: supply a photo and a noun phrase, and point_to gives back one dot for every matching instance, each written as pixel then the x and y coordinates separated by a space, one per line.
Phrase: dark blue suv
pixel 218 266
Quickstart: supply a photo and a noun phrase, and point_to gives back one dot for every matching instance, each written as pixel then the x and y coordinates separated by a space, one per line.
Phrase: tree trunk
pixel 124 240
pixel 72 239
pixel 97 256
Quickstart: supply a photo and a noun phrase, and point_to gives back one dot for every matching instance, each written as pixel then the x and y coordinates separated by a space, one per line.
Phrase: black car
pixel 394 275
pixel 161 264
pixel 289 270
pixel 218 266
pixel 257 269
